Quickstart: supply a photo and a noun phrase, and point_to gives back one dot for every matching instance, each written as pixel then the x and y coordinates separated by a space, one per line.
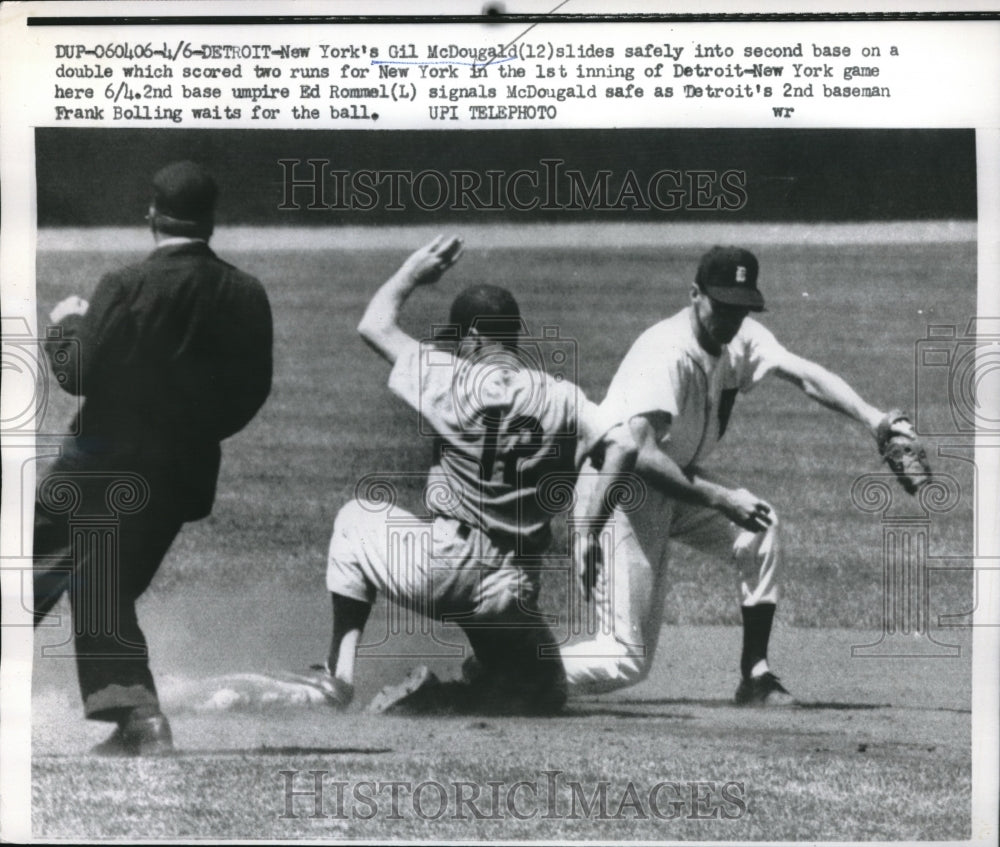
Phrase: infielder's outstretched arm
pixel 739 505
pixel 897 441
pixel 380 324
pixel 828 389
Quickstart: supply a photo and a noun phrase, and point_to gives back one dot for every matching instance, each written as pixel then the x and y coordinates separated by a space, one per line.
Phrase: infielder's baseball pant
pixel 103 573
pixel 447 571
pixel 631 588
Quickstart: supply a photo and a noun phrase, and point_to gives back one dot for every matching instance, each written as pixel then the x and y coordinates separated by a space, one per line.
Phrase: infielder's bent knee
pixel 603 665
pixel 757 556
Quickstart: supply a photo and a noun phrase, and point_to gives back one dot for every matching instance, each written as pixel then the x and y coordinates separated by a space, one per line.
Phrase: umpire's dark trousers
pixel 102 527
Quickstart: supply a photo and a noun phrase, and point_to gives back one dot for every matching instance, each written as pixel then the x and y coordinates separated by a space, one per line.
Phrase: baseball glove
pixel 902 450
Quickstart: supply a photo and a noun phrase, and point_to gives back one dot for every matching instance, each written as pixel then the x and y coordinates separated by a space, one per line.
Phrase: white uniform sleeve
pixel 404 379
pixel 593 423
pixel 759 354
pixel 422 377
pixel 648 380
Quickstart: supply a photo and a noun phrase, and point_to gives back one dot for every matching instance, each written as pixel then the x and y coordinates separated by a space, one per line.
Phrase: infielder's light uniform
pixel 668 371
pixel 503 428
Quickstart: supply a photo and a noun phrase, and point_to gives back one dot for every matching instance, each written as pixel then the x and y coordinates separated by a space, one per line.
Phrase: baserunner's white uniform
pixel 666 370
pixel 504 431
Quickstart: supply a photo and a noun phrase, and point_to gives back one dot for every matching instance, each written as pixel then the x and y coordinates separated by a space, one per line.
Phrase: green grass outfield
pixel 244 589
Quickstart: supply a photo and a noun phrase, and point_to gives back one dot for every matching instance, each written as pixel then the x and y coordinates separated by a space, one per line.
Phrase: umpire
pixel 172 356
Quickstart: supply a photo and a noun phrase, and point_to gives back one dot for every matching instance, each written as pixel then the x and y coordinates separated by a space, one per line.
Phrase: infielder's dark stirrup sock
pixel 756 634
pixel 141 713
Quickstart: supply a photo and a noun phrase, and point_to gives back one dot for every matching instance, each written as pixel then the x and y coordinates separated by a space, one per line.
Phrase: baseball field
pixel 881 747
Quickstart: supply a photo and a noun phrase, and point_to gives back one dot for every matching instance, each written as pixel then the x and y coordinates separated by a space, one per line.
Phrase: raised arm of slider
pixel 379 325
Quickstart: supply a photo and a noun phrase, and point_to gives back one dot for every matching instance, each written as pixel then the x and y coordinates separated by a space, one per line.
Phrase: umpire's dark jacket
pixel 173 355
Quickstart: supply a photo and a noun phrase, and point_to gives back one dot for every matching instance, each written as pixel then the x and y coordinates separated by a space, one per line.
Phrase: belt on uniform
pixel 503 540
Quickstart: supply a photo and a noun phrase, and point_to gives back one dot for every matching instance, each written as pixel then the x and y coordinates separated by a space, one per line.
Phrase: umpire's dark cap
pixel 490 310
pixel 184 195
pixel 729 275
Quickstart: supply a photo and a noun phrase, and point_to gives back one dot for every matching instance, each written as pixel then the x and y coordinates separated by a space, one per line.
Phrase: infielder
pixel 502 428
pixel 675 389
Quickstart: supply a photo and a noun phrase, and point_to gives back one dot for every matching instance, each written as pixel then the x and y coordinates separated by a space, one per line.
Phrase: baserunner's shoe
pixel 763 690
pixel 336 692
pixel 414 695
pixel 472 670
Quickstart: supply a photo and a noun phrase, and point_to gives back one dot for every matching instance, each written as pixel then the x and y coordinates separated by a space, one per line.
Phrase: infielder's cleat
pixel 763 690
pixel 407 697
pixel 138 737
pixel 336 692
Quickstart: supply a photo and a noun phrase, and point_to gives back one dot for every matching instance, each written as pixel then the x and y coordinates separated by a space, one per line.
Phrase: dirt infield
pixel 880 748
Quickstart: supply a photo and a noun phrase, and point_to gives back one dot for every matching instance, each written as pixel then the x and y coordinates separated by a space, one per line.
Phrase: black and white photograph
pixel 480 473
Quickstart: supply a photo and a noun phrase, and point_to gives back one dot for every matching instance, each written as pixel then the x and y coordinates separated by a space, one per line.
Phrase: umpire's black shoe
pixel 149 736
pixel 763 690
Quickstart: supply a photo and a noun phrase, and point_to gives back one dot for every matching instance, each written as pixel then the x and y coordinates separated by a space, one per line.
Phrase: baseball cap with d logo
pixel 729 275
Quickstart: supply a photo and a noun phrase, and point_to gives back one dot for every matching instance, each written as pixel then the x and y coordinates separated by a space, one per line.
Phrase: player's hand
pixel 589 559
pixel 902 426
pixel 70 306
pixel 746 510
pixel 426 265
